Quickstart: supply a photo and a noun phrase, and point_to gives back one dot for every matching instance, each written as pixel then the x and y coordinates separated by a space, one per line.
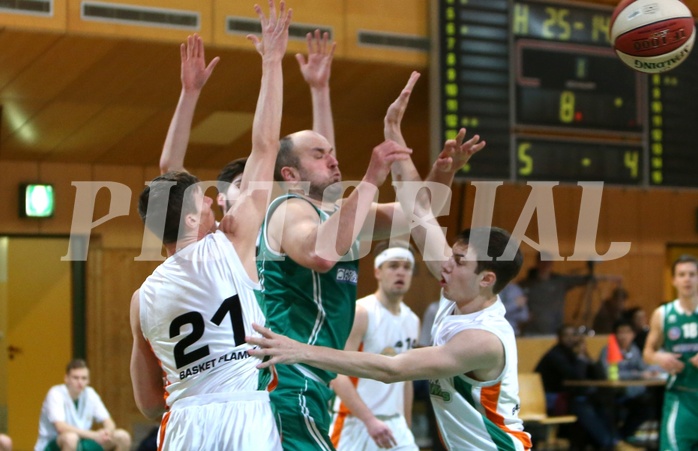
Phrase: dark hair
pixel 285 158
pixel 167 196
pixel 561 330
pixel 499 254
pixel 75 364
pixel 622 322
pixel 685 258
pixel 229 172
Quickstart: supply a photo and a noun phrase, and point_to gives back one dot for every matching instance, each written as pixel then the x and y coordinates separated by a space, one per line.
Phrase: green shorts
pixel 302 409
pixel 679 419
pixel 86 444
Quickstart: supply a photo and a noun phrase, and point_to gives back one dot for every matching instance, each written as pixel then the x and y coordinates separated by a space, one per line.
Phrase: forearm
pixel 62 427
pixel 352 363
pixel 323 122
pixel 267 119
pixel 409 400
pixel 177 140
pixel 109 425
pixel 346 391
pixel 336 236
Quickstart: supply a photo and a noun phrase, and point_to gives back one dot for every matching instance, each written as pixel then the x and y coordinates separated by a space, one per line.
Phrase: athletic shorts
pixel 350 434
pixel 85 444
pixel 301 405
pixel 679 420
pixel 220 421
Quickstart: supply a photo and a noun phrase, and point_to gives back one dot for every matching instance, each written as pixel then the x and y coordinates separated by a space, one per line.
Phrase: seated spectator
pixel 636 402
pixel 611 310
pixel 516 305
pixel 68 413
pixel 569 360
pixel 638 319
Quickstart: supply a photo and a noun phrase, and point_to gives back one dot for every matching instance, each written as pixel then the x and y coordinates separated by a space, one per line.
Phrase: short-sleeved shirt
pixel 59 406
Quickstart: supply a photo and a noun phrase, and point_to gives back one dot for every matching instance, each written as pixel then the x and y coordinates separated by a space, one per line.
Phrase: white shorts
pixel 354 435
pixel 220 422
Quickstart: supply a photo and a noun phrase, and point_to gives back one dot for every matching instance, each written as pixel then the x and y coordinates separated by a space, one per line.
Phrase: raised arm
pixel 316 70
pixel 244 218
pixel 194 75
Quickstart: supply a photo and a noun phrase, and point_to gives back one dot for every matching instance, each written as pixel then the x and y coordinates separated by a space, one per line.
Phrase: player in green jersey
pixel 672 343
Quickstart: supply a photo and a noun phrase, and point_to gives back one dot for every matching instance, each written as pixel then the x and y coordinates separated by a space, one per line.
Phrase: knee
pixel 68 441
pixel 5 443
pixel 122 439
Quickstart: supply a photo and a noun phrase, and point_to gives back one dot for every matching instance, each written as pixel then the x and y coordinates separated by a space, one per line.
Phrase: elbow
pixel 319 264
pixel 152 411
pixel 389 377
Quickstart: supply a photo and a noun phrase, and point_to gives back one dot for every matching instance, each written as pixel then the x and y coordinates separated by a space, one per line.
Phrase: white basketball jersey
pixel 475 415
pixel 195 311
pixel 386 334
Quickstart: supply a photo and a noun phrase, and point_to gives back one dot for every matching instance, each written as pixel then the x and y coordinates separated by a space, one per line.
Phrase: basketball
pixel 652 36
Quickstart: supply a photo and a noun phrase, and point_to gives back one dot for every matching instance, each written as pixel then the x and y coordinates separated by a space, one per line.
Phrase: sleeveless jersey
pixel 303 304
pixel 386 334
pixel 475 415
pixel 195 310
pixel 681 336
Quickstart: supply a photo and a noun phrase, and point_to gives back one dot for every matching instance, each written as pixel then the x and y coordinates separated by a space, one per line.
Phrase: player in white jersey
pixel 189 319
pixel 371 415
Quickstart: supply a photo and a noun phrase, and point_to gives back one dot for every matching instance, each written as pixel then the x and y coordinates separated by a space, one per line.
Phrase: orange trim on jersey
pixel 163 428
pixel 165 393
pixel 274 379
pixel 344 411
pixel 337 427
pixel 489 397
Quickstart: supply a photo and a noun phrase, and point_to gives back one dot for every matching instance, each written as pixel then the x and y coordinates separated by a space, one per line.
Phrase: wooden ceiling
pixel 87 99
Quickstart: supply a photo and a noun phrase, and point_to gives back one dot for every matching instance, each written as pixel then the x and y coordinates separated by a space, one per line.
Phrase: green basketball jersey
pixel 681 337
pixel 303 304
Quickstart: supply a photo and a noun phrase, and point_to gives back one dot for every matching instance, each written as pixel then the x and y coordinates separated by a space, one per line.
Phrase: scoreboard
pixel 541 84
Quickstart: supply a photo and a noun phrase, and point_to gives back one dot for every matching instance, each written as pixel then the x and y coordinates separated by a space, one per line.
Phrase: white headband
pixel 393 253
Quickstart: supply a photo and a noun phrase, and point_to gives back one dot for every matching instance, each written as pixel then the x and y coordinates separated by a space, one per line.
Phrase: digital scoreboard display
pixel 541 84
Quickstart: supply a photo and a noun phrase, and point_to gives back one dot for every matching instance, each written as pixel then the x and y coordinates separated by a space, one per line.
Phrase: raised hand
pixel 457 153
pixel 317 67
pixel 393 117
pixel 195 72
pixel 274 31
pixel 383 157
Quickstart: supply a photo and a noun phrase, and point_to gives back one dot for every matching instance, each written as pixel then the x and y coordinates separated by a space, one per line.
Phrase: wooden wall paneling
pixel 14 173
pixel 109 338
pixel 410 18
pixel 143 31
pixel 62 175
pixel 54 20
pixel 123 231
pixel 656 216
pixel 684 216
